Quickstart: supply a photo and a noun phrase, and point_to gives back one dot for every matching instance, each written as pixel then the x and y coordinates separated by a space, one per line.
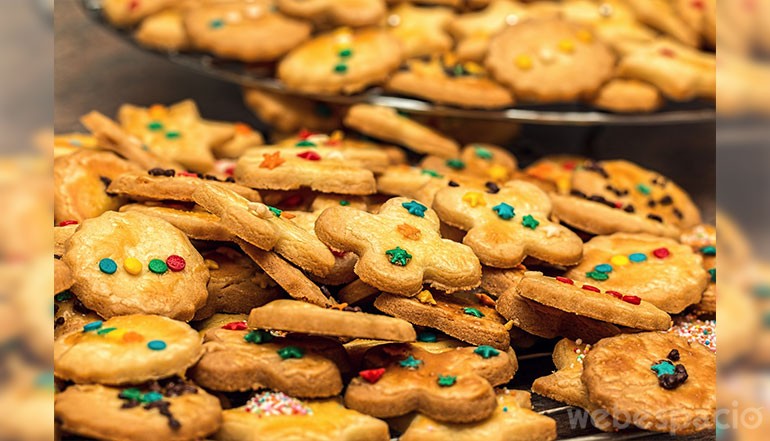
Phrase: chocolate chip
pixel 157 171
pixel 595 167
pixel 230 179
pixel 655 217
pixel 453 184
pixel 105 180
pixel 77 306
pixel 492 187
pixel 672 381
pixel 600 199
pixel 352 309
pixel 666 200
pixel 59 321
pixel 678 213
pixel 55 308
pixel 578 193
pixel 673 355
pixel 325 291
pixel 169 173
pixel 629 208
pixel 129 404
pixel 651 203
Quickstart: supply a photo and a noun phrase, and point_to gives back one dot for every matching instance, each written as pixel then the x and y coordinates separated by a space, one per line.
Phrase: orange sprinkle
pixel 286 215
pixel 272 160
pixel 157 110
pixel 409 232
pixel 132 337
pixel 242 129
pixel 340 306
pixel 485 300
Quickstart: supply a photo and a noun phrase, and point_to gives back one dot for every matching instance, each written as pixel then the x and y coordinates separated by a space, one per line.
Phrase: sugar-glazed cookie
pixel 451 384
pixel 242 30
pixel 619 196
pixel 126 263
pixel 658 270
pixel 128 349
pixel 549 60
pixel 400 248
pixel 274 416
pixel 508 223
pixel 342 61
pixel 171 410
pixel 238 359
pixel 655 381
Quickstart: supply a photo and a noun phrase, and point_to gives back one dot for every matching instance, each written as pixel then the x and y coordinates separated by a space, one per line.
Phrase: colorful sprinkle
pixel 271 160
pixel 427 337
pixel 474 312
pixel 235 326
pixel 274 404
pixel 132 337
pixel 504 211
pixel 305 143
pixel 415 208
pixel 276 211
pixel 603 268
pixel 619 260
pixel 344 203
pixel 664 367
pixel 410 362
pixel 398 256
pixel 257 336
pixel 345 53
pixel 290 352
pixel 156 345
pixel 67 222
pixel 372 375
pixel 597 275
pixel 524 62
pixel 409 232
pixel 456 164
pixel 157 266
pixel 661 253
pixel 643 189
pixel 340 68
pixel 637 257
pixel 486 351
pixel 482 153
pixel 474 199
pixel 155 126
pixel 530 222
pixel 173 134
pixel 566 46
pixel 709 250
pixel 591 288
pixel 108 266
pixel 132 266
pixel 175 263
pixel 426 297
pixel 713 272
pixel 309 155
pixel 700 331
pixel 634 300
pixel 216 23
pixel 566 280
pixel 615 294
pixel 497 172
pixel 93 326
pixel 447 380
pixel 431 173
pixel 105 331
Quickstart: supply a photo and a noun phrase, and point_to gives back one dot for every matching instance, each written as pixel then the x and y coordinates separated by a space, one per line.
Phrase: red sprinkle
pixel 68 222
pixel 310 155
pixel 337 253
pixel 305 134
pixel 566 280
pixel 634 300
pixel 188 174
pixel 667 52
pixel 230 170
pixel 292 201
pixel 591 288
pixel 235 326
pixel 661 253
pixel 372 375
pixel 615 294
pixel 175 263
pixel 697 4
pixel 569 165
pixel 618 205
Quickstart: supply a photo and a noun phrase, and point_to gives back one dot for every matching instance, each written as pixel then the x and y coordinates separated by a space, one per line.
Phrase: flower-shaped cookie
pixel 400 247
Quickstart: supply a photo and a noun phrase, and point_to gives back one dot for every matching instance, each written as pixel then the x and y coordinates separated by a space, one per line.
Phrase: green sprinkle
pixel 398 256
pixel 456 164
pixel 276 212
pixel 131 393
pixel 155 126
pixel 432 173
pixel 597 275
pixel 344 203
pixel 216 23
pixel 105 331
pixel 643 189
pixel 483 153
pixel 258 337
pixel 173 134
pixel 530 222
pixel 291 352
pixel 486 351
pixel 305 143
pixel 345 53
pixel 158 266
pixel 63 296
pixel 447 380
pixel 474 312
pixel 340 68
pixel 713 272
pixel 151 397
pixel 410 362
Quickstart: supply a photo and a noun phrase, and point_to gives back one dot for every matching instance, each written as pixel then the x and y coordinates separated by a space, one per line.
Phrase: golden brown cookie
pixel 556 169
pixel 451 384
pixel 420 31
pixel 655 381
pixel 193 221
pixel 483 161
pixel 128 349
pixel 353 13
pixel 659 270
pixel 549 60
pixel 80 183
pixel 306 318
pixel 387 124
pixel 399 248
pixel 506 224
pixel 124 13
pixel 661 15
pixel 168 185
pixel 421 184
pixel 628 96
pixel 173 410
pixel 164 30
pixel 288 113
pixel 342 61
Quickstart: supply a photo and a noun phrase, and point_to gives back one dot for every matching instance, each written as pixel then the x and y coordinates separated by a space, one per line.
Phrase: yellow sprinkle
pixel 426 297
pixel 509 325
pixel 474 199
pixel 210 264
pixel 563 184
pixel 585 36
pixel 619 260
pixel 116 334
pixel 132 266
pixel 524 62
pixel 337 135
pixel 497 172
pixel 567 46
pixel 473 68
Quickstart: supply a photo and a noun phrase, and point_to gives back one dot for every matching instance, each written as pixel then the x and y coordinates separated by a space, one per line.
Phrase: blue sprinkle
pixel 637 257
pixel 157 345
pixel 603 268
pixel 93 326
pixel 108 266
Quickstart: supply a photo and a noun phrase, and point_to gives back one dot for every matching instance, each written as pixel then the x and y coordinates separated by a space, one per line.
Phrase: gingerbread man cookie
pixel 506 225
pixel 127 263
pixel 478 160
pixel 128 349
pixel 448 385
pixel 421 31
pixel 400 247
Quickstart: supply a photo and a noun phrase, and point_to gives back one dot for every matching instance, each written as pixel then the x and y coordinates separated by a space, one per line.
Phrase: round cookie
pixel 70 314
pixel 549 60
pixel 129 349
pixel 341 61
pixel 636 378
pixel 127 263
pixel 171 411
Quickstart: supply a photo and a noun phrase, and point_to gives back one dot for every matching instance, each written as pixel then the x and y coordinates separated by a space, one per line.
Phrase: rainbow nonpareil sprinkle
pixel 276 403
pixel 694 330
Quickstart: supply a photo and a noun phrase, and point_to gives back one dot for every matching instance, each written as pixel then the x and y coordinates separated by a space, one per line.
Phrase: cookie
pixel 62 276
pixel 513 419
pixel 420 31
pixel 295 316
pixel 613 21
pixel 703 240
pixel 274 416
pixel 388 125
pixel 236 284
pixel 628 96
pixel 168 185
pixel 193 221
pixel 496 234
pixel 80 181
pixel 341 61
pixel 642 265
pixel 287 276
pixel 230 30
pixel 70 314
pixel 419 183
pixel 237 359
pixel 128 349
pixel 173 410
pixel 556 169
pixel 449 385
pixel 654 381
pixel 164 31
pixel 399 249
pixel 619 196
pixel 244 137
pixel 465 316
pixel 660 14
pixel 121 261
pixel 355 13
pixel 696 330
pixel 549 60
pixel 360 149
pixel 478 160
pixel 588 301
pixel 252 220
pixel 356 292
pixel 326 170
pixel 176 133
pixel 124 13
pixel 289 114
pixel 66 143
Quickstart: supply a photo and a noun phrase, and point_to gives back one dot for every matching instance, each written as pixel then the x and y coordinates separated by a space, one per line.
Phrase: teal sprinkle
pixel 108 266
pixel 344 203
pixel 709 250
pixel 483 153
pixel 474 312
pixel 415 208
pixel 150 397
pixel 305 143
pixel 713 272
pixel 637 257
pixel 45 380
pixel 427 337
pixel 93 326
pixel 277 212
pixel 664 367
pixel 63 296
pixel 156 345
pixel 410 362
pixel 486 351
pixel 105 331
pixel 643 189
pixel 504 211
pixel 530 222
pixel 505 408
pixel 216 23
pixel 603 268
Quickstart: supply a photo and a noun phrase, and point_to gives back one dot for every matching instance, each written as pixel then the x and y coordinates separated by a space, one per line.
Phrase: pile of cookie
pixel 321 287
pixel 619 55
